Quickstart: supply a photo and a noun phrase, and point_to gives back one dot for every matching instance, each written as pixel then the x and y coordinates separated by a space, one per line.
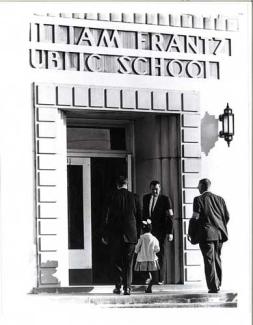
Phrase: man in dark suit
pixel 158 208
pixel 213 216
pixel 121 233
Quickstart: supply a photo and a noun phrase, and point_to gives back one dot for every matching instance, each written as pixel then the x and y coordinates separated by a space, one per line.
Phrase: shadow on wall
pixel 209 133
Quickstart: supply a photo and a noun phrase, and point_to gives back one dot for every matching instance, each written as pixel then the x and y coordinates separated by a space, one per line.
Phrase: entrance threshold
pixel 163 296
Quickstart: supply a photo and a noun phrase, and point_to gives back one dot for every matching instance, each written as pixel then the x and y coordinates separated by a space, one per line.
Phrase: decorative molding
pixel 51 98
pixel 218 23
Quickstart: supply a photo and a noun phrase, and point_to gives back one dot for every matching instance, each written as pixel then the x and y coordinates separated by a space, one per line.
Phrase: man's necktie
pixel 153 204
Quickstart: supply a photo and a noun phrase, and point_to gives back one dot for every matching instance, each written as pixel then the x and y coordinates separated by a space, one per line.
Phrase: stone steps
pixel 164 296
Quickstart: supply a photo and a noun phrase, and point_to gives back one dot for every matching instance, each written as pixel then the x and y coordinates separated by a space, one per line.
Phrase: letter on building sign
pixel 124 64
pixel 53 60
pixel 86 38
pixel 94 63
pixel 106 40
pixel 138 65
pixel 157 66
pixel 157 42
pixel 175 68
pixel 174 43
pixel 142 38
pixel 191 43
pixel 193 69
pixel 218 46
pixel 37 59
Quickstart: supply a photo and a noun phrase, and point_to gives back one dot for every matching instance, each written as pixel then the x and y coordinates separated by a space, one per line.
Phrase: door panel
pixel 103 174
pixel 90 182
pixel 79 217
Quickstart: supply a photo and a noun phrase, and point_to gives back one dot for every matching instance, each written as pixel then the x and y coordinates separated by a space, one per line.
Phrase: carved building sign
pixel 78 48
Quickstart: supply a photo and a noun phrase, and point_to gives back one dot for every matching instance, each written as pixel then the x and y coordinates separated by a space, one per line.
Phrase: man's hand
pixel 104 241
pixel 170 237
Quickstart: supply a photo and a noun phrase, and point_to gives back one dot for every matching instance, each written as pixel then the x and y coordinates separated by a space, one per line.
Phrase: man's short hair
pixel 154 183
pixel 121 180
pixel 205 183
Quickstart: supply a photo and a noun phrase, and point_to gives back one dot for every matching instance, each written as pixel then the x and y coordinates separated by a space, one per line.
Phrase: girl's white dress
pixel 146 249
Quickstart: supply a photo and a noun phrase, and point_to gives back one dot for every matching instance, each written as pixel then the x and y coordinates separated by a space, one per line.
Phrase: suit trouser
pixel 211 252
pixel 122 262
pixel 160 256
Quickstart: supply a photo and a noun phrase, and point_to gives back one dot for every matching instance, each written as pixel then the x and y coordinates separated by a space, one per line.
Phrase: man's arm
pixel 226 213
pixel 169 218
pixel 138 215
pixel 195 216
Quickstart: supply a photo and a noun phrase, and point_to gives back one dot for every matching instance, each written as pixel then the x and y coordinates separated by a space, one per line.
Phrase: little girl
pixel 146 250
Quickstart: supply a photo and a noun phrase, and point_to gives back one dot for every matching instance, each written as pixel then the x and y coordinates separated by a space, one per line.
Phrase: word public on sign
pixel 75 40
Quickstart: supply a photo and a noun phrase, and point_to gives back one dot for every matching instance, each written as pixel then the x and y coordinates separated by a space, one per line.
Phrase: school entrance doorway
pixel 142 147
pixel 90 182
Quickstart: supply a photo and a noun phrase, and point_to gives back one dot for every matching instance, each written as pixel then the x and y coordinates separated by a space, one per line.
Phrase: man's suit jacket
pixel 123 216
pixel 162 222
pixel 213 217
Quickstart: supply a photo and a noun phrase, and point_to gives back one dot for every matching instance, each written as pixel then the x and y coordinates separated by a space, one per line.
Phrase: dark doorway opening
pixel 103 174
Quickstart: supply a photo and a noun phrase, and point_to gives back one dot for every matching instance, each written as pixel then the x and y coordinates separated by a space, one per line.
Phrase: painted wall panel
pixel 48 243
pixel 47 130
pixel 193 273
pixel 188 211
pixel 96 97
pixel 193 258
pixel 144 99
pixel 191 120
pixel 159 100
pixel 64 95
pixel 189 195
pixel 174 100
pixel 191 101
pixel 48 227
pixel 47 162
pixel 46 94
pixel 190 180
pixel 191 165
pixel 47 194
pixel 81 97
pixel 48 259
pixel 128 98
pixel 191 150
pixel 191 135
pixel 112 98
pixel 187 21
pixel 48 210
pixel 46 114
pixel 46 146
pixel 47 276
pixel 47 178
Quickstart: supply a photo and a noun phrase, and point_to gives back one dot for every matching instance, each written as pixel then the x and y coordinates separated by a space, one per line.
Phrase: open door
pixel 79 221
pixel 90 183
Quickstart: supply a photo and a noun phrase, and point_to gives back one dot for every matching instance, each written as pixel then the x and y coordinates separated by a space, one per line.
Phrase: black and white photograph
pixel 126 163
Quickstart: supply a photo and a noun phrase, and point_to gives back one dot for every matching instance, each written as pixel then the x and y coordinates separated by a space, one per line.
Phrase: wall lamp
pixel 227 119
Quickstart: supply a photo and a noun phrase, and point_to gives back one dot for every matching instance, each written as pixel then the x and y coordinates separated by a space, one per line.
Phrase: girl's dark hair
pixel 146 227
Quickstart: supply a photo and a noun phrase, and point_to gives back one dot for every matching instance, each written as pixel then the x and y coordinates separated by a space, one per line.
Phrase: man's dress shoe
pixel 214 291
pixel 127 292
pixel 148 290
pixel 116 291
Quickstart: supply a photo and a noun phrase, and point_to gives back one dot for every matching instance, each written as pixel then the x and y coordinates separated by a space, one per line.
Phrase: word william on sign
pixel 96 40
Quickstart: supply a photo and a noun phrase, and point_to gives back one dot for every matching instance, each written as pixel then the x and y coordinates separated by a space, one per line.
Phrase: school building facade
pixel 102 94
